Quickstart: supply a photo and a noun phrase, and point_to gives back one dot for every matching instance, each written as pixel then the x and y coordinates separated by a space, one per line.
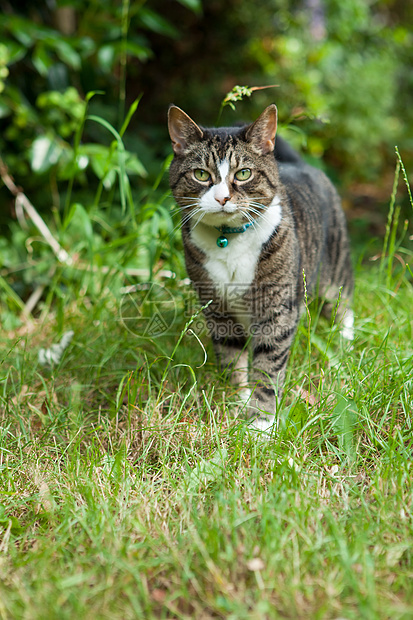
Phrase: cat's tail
pixel 285 153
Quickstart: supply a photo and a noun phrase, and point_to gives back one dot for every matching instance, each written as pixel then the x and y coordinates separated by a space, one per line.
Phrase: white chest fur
pixel 236 263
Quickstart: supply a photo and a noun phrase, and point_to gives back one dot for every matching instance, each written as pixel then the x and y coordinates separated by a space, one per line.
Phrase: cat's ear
pixel 261 134
pixel 182 130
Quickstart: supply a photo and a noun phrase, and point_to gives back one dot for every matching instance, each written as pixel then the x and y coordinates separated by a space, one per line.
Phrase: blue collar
pixel 222 240
pixel 226 230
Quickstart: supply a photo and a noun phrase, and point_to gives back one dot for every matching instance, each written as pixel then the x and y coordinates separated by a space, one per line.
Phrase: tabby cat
pixel 261 229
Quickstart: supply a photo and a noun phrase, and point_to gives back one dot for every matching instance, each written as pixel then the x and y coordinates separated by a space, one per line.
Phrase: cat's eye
pixel 201 175
pixel 243 175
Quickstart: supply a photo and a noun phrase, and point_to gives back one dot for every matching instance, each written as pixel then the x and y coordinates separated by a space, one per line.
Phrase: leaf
pixel 204 473
pixel 1 364
pixel 157 24
pixel 5 109
pixel 45 153
pixel 344 423
pixel 133 165
pixel 139 51
pixel 98 155
pixel 67 54
pixel 6 521
pixel 81 219
pixel 110 53
pixel 15 52
pixel 106 56
pixel 105 161
pixel 131 112
pixel 192 5
pixel 93 93
pixel 18 27
pixel 124 186
pixel 41 60
pixel 11 294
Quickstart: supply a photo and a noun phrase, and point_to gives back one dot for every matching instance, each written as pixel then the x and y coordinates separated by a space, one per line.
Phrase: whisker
pixel 200 218
pixel 186 198
pixel 258 205
pixel 254 210
pixel 186 218
pixel 189 216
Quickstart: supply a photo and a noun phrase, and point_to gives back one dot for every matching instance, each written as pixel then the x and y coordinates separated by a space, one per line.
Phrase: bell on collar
pixel 222 241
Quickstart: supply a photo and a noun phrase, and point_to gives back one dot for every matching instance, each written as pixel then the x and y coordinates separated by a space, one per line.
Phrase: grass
pixel 129 489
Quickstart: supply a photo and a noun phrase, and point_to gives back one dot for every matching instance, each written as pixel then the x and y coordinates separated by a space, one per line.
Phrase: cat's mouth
pixel 224 217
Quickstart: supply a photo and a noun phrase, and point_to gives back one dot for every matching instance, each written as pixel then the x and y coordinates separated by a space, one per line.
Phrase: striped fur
pixel 257 285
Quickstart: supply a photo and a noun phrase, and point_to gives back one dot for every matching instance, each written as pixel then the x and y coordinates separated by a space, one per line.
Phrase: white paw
pixel 264 425
pixel 244 395
pixel 347 331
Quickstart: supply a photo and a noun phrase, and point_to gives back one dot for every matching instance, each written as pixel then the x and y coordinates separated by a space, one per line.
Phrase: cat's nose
pixel 222 199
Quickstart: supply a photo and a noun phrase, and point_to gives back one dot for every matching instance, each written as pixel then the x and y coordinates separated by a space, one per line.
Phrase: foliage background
pixel 344 76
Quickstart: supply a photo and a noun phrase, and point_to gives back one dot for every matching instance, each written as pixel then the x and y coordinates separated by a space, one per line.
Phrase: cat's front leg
pixel 230 345
pixel 233 358
pixel 271 344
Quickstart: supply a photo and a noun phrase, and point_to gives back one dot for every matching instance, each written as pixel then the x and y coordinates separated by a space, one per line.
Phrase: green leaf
pixel 157 24
pixel 79 218
pixel 5 109
pixel 41 59
pixel 192 5
pixel 139 51
pixel 106 56
pixel 45 153
pixel 93 93
pixel 19 29
pixel 11 294
pixel 15 52
pixel 204 473
pixel 344 424
pixel 123 180
pixel 110 53
pixel 6 521
pixel 133 165
pixel 67 54
pixel 109 179
pixel 99 157
pixel 129 115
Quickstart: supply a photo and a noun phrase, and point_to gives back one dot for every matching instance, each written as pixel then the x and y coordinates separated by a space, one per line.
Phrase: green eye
pixel 201 175
pixel 243 175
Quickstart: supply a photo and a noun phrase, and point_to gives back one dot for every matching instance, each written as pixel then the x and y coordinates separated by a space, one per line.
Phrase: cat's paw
pixel 266 425
pixel 347 329
pixel 258 420
pixel 244 395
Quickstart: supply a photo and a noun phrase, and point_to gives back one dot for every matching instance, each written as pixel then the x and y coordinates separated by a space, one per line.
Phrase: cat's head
pixel 223 176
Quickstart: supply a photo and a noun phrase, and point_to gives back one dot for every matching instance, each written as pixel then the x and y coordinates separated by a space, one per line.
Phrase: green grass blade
pixel 344 425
